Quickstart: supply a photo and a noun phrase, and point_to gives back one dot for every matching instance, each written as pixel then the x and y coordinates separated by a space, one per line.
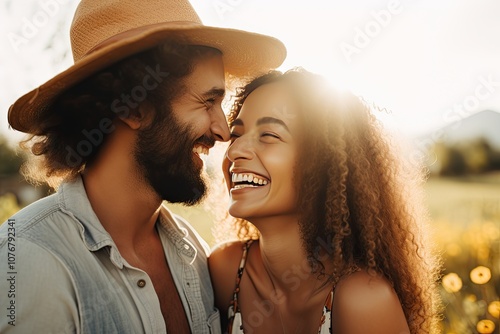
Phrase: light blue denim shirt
pixel 60 272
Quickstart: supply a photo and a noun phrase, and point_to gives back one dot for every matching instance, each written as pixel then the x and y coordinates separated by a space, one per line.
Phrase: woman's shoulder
pixel 372 298
pixel 228 253
pixel 228 247
pixel 361 283
pixel 224 263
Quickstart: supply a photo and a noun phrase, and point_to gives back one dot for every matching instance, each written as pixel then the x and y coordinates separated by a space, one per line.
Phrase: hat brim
pixel 244 54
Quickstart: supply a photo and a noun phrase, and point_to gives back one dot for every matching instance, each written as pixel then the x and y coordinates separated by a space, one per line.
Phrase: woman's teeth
pixel 252 179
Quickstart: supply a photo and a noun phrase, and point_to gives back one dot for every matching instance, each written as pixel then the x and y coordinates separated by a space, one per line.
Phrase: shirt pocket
pixel 214 322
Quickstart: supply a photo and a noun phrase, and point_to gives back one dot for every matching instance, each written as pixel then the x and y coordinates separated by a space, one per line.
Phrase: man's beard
pixel 164 152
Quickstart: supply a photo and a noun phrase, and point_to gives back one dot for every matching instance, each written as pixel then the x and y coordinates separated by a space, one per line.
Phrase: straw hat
pixel 106 31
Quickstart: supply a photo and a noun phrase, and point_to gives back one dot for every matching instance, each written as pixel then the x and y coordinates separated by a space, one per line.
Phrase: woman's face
pixel 260 160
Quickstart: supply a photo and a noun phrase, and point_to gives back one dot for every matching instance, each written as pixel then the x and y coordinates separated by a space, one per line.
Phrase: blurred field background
pixel 434 63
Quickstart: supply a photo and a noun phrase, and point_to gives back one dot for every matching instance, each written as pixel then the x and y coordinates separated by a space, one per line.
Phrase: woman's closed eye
pixel 269 137
pixel 265 136
pixel 270 134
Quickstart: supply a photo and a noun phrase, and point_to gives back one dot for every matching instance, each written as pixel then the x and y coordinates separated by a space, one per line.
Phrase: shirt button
pixel 141 283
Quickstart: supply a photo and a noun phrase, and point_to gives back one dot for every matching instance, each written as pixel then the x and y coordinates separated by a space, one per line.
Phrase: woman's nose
pixel 240 148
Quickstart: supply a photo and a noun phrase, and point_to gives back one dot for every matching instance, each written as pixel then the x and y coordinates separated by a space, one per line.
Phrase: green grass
pixel 462 200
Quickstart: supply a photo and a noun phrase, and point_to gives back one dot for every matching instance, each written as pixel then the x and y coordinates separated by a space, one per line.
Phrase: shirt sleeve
pixel 38 294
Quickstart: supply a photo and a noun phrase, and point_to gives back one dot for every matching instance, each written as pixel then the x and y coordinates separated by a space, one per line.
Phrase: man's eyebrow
pixel 214 92
pixel 272 120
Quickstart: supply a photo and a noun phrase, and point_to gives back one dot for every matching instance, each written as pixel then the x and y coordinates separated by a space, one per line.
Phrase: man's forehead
pixel 208 76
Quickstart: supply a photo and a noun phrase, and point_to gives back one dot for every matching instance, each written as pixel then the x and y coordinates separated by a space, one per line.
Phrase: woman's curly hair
pixel 91 105
pixel 359 203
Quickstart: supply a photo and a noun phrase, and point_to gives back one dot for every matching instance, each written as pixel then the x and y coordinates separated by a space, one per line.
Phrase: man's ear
pixel 139 117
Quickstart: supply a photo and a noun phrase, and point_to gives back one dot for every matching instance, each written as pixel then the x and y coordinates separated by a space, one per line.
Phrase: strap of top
pixel 235 324
pixel 234 307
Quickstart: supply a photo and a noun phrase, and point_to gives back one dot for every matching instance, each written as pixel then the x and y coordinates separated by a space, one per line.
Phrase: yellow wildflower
pixel 494 309
pixel 480 275
pixel 452 282
pixel 485 326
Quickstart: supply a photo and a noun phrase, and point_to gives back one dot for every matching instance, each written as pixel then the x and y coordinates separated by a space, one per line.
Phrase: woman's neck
pixel 285 259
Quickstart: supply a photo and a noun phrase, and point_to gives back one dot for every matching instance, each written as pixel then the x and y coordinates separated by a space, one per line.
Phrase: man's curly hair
pixel 91 105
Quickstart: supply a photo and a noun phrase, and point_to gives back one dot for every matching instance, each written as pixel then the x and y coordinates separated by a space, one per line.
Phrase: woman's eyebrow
pixel 261 121
pixel 272 120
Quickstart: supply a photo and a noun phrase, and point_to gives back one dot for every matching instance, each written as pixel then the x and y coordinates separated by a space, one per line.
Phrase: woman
pixel 330 241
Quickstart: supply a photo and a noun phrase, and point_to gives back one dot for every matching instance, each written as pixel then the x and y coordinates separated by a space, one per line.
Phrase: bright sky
pixel 429 62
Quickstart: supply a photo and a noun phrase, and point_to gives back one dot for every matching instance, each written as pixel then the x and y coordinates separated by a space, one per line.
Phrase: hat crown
pixel 97 20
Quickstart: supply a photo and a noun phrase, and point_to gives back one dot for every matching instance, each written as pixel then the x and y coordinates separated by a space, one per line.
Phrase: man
pixel 122 129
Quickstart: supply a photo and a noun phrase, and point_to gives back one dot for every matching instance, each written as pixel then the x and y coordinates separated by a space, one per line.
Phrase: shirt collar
pixel 73 200
pixel 177 234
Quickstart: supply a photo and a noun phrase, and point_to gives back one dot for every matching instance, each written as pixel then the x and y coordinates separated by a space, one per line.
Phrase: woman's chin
pixel 236 212
pixel 240 211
